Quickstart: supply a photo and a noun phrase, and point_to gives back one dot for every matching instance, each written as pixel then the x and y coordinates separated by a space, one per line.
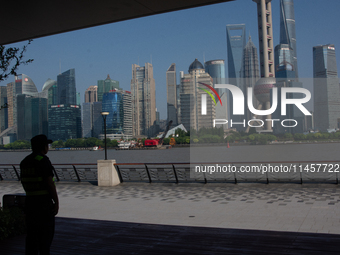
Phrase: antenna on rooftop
pixel 151 59
pixel 59 66
pixel 204 57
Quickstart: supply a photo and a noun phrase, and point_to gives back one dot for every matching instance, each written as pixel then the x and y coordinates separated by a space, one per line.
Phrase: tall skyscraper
pixel 216 69
pixel 3 109
pixel 171 86
pixel 192 116
pixel 249 74
pixel 91 94
pixel 326 88
pixel 284 62
pixel 119 121
pixel 143 100
pixel 23 85
pixel 106 86
pixel 92 119
pixel 264 86
pixel 287 30
pixel 10 98
pixel 64 122
pixel 66 84
pixel 236 41
pixel 32 116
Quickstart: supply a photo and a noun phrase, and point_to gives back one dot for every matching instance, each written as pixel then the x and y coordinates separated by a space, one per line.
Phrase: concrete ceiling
pixel 23 20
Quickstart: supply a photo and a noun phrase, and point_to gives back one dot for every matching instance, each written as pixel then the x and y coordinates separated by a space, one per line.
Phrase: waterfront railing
pixel 203 172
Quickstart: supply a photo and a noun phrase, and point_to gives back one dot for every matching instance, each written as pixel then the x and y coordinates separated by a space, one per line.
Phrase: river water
pixel 246 153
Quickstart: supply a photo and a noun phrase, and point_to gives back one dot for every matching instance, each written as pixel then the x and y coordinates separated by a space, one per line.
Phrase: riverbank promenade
pixel 192 218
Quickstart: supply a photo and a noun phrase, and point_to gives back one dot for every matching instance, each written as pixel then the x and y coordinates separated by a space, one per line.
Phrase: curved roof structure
pixel 27 85
pixel 49 83
pixel 195 65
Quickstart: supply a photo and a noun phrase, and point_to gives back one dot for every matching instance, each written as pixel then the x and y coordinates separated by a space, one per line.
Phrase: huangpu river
pixel 245 153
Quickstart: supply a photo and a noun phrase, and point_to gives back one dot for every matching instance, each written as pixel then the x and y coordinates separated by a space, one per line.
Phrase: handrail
pixel 177 172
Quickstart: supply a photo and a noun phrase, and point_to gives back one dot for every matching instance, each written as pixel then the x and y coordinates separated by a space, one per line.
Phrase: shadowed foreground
pixel 81 236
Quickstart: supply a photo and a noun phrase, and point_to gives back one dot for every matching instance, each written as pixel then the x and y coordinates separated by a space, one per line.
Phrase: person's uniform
pixel 35 169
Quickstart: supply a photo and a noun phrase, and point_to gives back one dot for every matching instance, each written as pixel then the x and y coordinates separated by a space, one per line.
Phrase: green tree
pixel 91 142
pixel 114 143
pixel 11 59
pixel 288 136
pixel 71 143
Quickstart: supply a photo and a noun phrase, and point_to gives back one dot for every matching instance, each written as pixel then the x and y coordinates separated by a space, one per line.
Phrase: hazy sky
pixel 177 37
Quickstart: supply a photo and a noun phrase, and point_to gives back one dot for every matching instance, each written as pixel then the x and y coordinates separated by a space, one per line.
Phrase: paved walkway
pixel 312 208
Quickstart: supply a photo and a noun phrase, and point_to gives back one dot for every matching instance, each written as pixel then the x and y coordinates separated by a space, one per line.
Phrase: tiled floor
pixel 313 208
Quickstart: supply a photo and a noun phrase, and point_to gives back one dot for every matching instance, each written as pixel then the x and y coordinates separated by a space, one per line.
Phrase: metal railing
pixel 267 172
pixel 62 172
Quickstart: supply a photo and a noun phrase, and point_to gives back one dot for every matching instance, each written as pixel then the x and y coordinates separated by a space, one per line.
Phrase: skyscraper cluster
pixel 53 111
pixel 192 98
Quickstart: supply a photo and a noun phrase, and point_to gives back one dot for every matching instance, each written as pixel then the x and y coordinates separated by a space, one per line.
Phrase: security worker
pixel 42 202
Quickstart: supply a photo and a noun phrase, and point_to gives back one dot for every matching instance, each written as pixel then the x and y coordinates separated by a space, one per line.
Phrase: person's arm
pixel 53 191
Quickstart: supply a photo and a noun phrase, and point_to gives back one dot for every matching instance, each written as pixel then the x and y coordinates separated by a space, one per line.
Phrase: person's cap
pixel 40 140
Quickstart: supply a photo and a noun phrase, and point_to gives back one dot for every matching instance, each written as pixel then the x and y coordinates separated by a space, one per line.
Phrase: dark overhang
pixel 23 20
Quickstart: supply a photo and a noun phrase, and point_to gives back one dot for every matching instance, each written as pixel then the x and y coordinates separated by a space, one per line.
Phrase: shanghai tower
pixel 287 29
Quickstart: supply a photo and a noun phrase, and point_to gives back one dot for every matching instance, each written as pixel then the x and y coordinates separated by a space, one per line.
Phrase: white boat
pixel 96 148
pixel 125 145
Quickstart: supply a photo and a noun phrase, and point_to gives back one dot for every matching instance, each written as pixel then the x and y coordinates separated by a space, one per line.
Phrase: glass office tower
pixel 64 122
pixel 106 85
pixel 118 104
pixel 171 86
pixel 236 41
pixel 143 89
pixel 52 91
pixel 326 88
pixel 3 109
pixel 66 83
pixel 287 29
pixel 32 116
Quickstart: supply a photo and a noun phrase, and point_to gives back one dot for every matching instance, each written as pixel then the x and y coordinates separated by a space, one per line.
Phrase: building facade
pixel 171 86
pixel 287 30
pixel 326 88
pixel 192 116
pixel 284 62
pixel 66 84
pixel 32 116
pixel 3 108
pixel 91 94
pixel 22 85
pixel 10 98
pixel 52 91
pixel 216 69
pixel 250 74
pixel 143 90
pixel 64 122
pixel 118 104
pixel 92 119
pixel 236 41
pixel 105 86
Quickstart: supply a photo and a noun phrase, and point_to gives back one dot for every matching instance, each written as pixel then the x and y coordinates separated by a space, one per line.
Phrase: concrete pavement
pixel 313 208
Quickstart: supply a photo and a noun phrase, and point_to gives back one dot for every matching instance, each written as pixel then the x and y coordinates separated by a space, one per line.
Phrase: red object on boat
pixel 151 142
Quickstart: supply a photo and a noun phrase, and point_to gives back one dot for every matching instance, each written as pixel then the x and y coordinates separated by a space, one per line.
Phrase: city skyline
pixel 170 38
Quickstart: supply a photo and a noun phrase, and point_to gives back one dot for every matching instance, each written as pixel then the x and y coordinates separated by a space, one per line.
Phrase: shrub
pixel 12 222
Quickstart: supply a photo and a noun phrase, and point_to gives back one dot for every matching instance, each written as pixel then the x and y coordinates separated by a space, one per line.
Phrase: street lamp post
pixel 104 115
